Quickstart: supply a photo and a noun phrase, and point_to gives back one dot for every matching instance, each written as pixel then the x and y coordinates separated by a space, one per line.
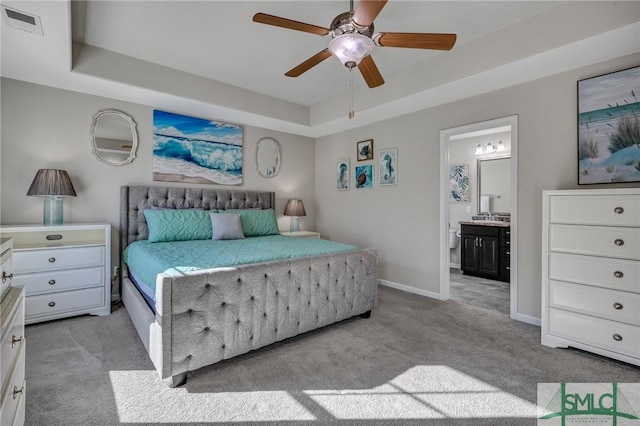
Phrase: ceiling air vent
pixel 23 21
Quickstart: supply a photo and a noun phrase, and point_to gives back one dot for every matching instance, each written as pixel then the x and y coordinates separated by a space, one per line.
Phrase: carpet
pixel 416 361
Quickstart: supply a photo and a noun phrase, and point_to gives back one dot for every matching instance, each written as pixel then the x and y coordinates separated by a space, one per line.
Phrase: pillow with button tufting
pixel 256 222
pixel 177 224
pixel 226 226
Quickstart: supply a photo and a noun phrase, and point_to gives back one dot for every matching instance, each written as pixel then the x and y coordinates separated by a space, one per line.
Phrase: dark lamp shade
pixel 51 182
pixel 294 208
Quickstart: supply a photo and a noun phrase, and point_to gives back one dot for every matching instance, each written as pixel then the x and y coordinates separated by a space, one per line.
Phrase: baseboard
pixel 409 289
pixel 528 319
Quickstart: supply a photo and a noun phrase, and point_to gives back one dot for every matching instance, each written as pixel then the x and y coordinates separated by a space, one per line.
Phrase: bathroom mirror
pixel 494 185
pixel 114 137
pixel 268 157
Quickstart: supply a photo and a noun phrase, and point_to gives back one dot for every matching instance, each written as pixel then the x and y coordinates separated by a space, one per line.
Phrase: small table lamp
pixel 53 185
pixel 295 209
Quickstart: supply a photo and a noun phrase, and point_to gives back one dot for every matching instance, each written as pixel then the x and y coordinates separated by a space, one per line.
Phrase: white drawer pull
pixel 17 391
pixel 619 242
pixel 618 210
pixel 618 306
pixel 617 337
pixel 15 341
pixel 6 277
pixel 52 304
pixel 52 282
pixel 52 259
pixel 618 274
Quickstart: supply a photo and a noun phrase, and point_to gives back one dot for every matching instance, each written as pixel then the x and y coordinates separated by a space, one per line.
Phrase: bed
pixel 199 315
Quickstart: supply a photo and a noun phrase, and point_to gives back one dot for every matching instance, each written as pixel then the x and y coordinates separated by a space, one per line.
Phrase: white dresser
pixel 12 346
pixel 591 271
pixel 64 269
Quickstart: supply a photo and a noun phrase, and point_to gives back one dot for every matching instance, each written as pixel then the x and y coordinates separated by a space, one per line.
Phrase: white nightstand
pixel 65 269
pixel 302 234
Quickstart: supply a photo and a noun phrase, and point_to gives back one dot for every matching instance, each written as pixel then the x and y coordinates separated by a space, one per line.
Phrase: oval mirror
pixel 114 137
pixel 268 157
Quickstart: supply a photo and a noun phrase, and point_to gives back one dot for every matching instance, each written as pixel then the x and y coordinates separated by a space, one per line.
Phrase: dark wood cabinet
pixel 485 251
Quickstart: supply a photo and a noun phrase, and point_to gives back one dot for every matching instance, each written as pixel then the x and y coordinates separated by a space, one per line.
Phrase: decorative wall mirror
pixel 268 157
pixel 114 137
pixel 494 185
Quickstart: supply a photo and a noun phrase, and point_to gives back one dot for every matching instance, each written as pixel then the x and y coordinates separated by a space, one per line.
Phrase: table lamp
pixel 53 185
pixel 295 209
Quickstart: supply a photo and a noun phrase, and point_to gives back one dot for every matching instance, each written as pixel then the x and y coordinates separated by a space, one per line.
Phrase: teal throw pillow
pixel 178 224
pixel 256 222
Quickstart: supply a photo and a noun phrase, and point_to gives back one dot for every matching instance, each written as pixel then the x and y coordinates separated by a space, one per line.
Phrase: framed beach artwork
pixel 342 174
pixel 364 176
pixel 365 150
pixel 196 150
pixel 609 128
pixel 388 168
pixel 459 191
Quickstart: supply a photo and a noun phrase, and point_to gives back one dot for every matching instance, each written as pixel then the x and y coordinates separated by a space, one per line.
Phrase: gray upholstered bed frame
pixel 205 317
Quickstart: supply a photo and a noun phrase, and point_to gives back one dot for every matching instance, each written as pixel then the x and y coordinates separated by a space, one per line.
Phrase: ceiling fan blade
pixel 370 72
pixel 418 40
pixel 263 18
pixel 367 11
pixel 309 63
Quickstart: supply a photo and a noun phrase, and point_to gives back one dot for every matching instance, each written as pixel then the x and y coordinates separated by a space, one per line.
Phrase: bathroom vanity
pixel 485 249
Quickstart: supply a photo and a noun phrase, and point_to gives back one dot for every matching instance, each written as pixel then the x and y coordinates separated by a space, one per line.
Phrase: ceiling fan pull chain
pixel 351 112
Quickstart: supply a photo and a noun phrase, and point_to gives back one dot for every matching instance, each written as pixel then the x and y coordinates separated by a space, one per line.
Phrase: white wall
pixel 402 221
pixel 44 127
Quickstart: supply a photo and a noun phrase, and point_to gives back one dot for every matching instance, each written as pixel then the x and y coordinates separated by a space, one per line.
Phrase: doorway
pixel 480 141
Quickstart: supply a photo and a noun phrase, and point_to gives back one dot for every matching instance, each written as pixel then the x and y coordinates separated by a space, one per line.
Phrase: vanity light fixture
pixel 52 185
pixel 490 148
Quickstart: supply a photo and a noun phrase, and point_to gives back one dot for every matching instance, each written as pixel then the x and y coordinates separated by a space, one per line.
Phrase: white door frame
pixel 445 138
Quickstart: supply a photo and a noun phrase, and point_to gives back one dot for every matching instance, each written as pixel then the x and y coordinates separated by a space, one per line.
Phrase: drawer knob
pixel 6 277
pixel 617 337
pixel 15 341
pixel 52 282
pixel 618 306
pixel 619 242
pixel 52 259
pixel 17 391
pixel 52 304
pixel 618 274
pixel 618 210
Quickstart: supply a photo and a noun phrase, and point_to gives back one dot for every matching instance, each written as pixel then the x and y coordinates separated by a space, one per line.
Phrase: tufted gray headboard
pixel 134 199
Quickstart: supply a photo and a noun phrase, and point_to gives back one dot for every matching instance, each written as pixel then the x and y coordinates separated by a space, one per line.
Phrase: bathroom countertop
pixel 499 223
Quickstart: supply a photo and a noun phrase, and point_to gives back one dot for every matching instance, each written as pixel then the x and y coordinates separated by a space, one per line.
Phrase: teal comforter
pixel 146 260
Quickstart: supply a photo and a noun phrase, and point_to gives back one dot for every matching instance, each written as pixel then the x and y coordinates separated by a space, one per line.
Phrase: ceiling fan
pixel 353 39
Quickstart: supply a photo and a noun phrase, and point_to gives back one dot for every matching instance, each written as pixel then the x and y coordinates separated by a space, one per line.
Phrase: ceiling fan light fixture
pixel 351 48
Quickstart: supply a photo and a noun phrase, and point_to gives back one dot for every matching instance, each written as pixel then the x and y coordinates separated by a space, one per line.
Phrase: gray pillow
pixel 226 226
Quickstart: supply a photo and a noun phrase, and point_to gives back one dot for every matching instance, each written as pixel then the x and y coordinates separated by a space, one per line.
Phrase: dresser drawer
pixel 65 301
pixel 12 342
pixel 5 274
pixel 61 280
pixel 25 261
pixel 615 210
pixel 14 394
pixel 598 332
pixel 611 304
pixel 599 271
pixel 594 240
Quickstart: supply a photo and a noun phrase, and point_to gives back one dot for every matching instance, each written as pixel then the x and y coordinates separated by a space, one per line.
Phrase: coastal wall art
pixel 342 174
pixel 388 170
pixel 459 191
pixel 609 128
pixel 364 176
pixel 196 150
pixel 364 150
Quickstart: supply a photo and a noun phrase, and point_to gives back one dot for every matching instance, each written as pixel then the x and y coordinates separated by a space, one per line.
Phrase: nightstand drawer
pixel 65 301
pixel 68 279
pixel 596 301
pixel 25 261
pixel 14 394
pixel 12 342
